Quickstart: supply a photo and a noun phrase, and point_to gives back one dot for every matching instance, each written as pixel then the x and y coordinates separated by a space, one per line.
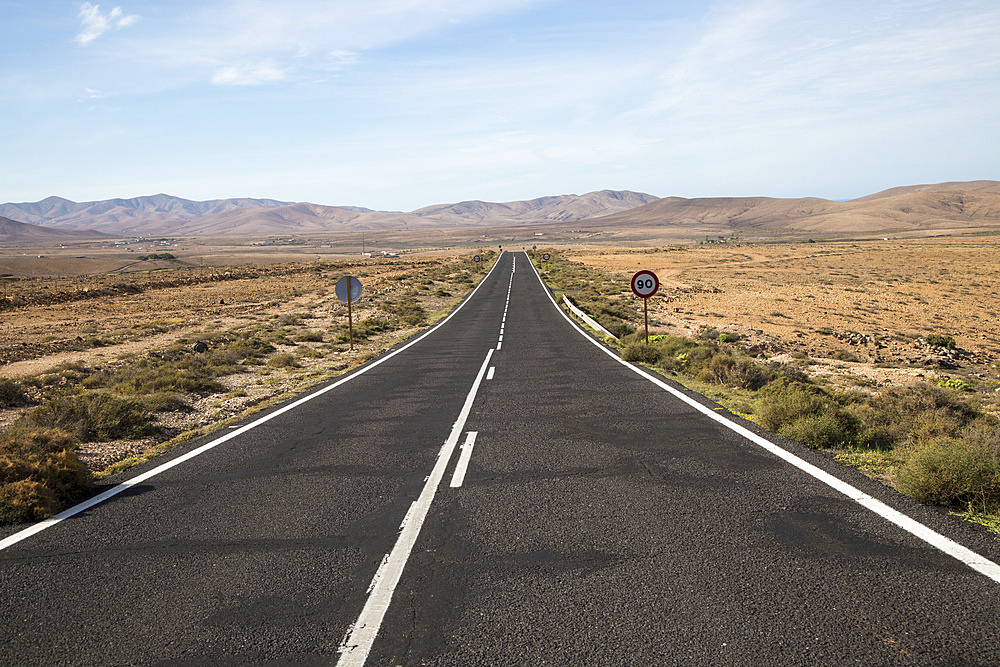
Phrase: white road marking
pixel 463 460
pixel 489 374
pixel 971 558
pixel 358 642
pixel 128 484
pixel 499 345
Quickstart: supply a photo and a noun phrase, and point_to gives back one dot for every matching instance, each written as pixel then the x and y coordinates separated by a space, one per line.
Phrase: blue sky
pixel 398 104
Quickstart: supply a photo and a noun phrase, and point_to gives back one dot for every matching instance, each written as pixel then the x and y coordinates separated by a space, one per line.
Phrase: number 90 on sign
pixel 645 284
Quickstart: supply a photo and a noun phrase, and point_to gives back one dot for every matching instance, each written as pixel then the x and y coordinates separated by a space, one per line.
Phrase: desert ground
pixel 64 318
pixel 857 311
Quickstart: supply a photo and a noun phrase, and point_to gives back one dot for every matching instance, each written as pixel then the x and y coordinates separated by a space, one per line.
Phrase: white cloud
pixel 248 75
pixel 216 40
pixel 96 24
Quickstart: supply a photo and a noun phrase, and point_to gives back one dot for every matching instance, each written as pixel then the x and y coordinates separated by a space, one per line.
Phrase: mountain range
pixel 954 206
pixel 166 215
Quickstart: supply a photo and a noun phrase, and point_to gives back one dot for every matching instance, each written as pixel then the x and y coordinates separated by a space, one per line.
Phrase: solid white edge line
pixel 977 562
pixel 463 460
pixel 360 638
pixel 11 540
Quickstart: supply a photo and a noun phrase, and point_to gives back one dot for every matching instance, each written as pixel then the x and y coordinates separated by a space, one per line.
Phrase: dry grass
pixel 184 351
pixel 873 302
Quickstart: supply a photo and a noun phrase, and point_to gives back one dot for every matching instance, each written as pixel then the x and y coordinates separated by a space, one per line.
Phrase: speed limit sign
pixel 645 284
pixel 477 259
pixel 546 256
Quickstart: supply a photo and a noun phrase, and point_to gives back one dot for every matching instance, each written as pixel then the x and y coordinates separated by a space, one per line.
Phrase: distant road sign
pixel 477 259
pixel 546 256
pixel 645 284
pixel 355 289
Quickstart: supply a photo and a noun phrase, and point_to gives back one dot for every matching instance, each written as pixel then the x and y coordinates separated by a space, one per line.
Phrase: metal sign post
pixel 349 290
pixel 644 285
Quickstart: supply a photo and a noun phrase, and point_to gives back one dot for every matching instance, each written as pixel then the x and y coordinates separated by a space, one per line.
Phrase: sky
pixel 399 104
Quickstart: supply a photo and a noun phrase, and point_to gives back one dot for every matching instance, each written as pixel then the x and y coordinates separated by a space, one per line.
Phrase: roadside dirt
pixel 53 325
pixel 859 313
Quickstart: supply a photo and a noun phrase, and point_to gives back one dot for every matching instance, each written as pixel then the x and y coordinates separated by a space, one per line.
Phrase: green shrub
pixel 376 325
pixel 283 360
pixel 949 471
pixel 310 336
pixel 12 394
pixel 805 413
pixel 941 340
pixel 95 416
pixel 953 383
pixel 407 309
pixel 150 377
pixel 921 412
pixel 642 353
pixel 618 328
pixel 742 372
pixel 39 472
pixel 165 401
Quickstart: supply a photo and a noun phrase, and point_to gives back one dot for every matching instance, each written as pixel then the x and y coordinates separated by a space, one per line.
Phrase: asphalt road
pixel 596 519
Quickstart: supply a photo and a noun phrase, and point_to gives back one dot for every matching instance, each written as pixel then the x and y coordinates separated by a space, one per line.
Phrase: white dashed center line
pixel 463 460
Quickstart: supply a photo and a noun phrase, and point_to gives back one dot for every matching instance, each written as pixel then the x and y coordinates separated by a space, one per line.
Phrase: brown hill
pixel 913 209
pixel 124 216
pixel 12 230
pixel 951 186
pixel 166 215
pixel 295 219
pixel 562 208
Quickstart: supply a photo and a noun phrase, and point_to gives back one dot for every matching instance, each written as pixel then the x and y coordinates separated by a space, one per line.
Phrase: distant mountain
pixel 952 186
pixel 118 216
pixel 12 230
pixel 947 206
pixel 562 208
pixel 953 206
pixel 167 215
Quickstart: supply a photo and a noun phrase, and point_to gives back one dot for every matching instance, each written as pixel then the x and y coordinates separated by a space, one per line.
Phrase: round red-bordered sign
pixel 477 258
pixel 644 284
pixel 546 256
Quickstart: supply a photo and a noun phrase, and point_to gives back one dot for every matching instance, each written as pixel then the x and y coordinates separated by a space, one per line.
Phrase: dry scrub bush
pixel 12 394
pixel 950 471
pixel 805 413
pixel 916 413
pixel 642 353
pixel 39 472
pixel 732 371
pixel 96 416
pixel 283 360
pixel 705 360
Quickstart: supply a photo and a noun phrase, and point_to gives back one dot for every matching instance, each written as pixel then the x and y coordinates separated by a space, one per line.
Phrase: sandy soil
pixel 101 321
pixel 871 301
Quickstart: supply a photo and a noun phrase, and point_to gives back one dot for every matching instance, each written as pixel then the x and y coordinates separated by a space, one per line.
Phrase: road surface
pixel 499 492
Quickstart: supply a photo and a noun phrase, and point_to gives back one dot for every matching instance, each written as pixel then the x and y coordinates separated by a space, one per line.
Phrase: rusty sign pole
pixel 645 317
pixel 345 289
pixel 644 285
pixel 350 321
